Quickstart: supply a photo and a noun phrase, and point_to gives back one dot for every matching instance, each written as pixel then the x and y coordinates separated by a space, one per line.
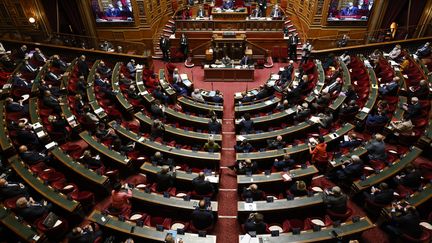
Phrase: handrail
pixel 259 47
pixel 200 46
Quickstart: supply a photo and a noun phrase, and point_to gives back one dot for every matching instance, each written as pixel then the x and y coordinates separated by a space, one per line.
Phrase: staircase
pixel 166 31
pixel 292 29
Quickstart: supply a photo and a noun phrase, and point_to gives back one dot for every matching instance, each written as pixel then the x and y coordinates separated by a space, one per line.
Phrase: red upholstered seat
pixel 152 221
pixel 51 176
pixel 54 233
pixel 85 197
pixel 424 238
pixel 10 202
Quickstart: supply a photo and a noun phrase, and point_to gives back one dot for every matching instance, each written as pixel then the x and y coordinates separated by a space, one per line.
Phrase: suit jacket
pixel 164 181
pixel 376 150
pixel 20 83
pixel 255 195
pixel 246 61
pixel 214 127
pixel 50 102
pixel 383 197
pixel 412 180
pixel 354 169
pixel 293 40
pixel 202 187
pixel 228 4
pixel 202 218
pixel 409 224
pixel 83 68
pixel 32 157
pixel 40 57
pixel 31 213
pixel 337 204
pixel 14 107
pixel 11 190
pixel 27 137
pixel 246 126
pixel 259 228
pixel 275 13
pixel 413 111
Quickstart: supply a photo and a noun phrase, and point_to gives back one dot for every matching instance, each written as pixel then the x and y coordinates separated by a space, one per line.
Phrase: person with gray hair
pixel 350 169
pixel 335 200
pixel 196 95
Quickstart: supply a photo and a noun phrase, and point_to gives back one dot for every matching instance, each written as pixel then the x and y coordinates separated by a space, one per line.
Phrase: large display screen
pixel 351 10
pixel 113 11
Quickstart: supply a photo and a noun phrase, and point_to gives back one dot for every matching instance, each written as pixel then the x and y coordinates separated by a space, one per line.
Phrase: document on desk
pixel 365 110
pixel 275 76
pixel 240 138
pixel 286 177
pixel 314 119
pixel 268 102
pixel 212 179
pixel 246 239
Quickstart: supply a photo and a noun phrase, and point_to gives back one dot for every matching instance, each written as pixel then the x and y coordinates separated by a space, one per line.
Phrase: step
pixel 171 21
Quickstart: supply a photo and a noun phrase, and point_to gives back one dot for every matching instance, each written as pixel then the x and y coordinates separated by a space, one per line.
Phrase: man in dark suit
pixel 253 192
pixel 276 13
pixel 39 56
pixel 244 146
pixel 22 52
pixel 246 60
pixel 246 167
pixel 51 102
pixel 201 186
pixel 256 13
pixel 412 110
pixel 158 159
pixel 12 106
pixel 376 148
pixel 214 125
pixel 390 88
pixel 246 125
pixel 201 12
pixel 293 41
pixel 335 200
pixel 382 195
pixel 227 4
pixel 201 217
pixel 255 223
pixel 164 179
pixel 31 210
pixel 164 44
pixel 58 63
pixel 412 177
pixel 11 189
pixel 285 162
pixel 27 136
pixel 84 234
pixel 262 5
pixel 351 169
pixel 19 82
pixel 32 157
pixel 406 221
pixel 83 69
pixel 217 98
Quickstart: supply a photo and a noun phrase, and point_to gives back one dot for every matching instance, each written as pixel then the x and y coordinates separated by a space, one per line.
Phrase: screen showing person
pixel 355 10
pixel 112 11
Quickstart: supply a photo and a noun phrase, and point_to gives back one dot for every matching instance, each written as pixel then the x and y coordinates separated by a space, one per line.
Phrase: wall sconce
pixel 32 21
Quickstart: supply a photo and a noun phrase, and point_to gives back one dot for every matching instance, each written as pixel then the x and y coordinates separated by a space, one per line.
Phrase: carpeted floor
pixel 227 227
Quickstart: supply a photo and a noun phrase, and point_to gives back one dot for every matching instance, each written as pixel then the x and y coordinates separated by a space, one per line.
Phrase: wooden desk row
pixel 24 231
pixel 373 95
pixel 171 202
pixel 5 141
pixel 278 205
pixel 38 185
pixel 116 88
pixel 148 168
pixel 99 111
pixel 188 103
pixel 235 25
pixel 345 229
pixel 172 151
pixel 145 232
pixel 180 133
pixel 272 154
pixel 387 172
pixel 295 174
pixel 269 104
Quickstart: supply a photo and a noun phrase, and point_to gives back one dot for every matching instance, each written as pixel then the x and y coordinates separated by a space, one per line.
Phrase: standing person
pixel 293 41
pixel 184 45
pixel 306 51
pixel 164 45
pixel 262 4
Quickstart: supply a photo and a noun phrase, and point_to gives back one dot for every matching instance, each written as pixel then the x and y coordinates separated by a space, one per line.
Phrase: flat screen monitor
pixel 113 11
pixel 351 10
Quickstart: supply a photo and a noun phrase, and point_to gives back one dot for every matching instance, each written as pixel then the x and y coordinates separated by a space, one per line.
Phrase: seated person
pixel 157 109
pixel 31 210
pixel 302 112
pixel 382 195
pixel 283 105
pixel 395 53
pixel 202 186
pixel 90 118
pixel 226 60
pixel 276 13
pixel 157 129
pixel 350 170
pixel 211 145
pixel 202 217
pixel 335 200
pixel 124 81
pixel 12 106
pixel 277 143
pixel 32 157
pixel 246 60
pixel 131 68
pixel 325 119
pixel 26 135
pixel 164 179
pixel 253 192
pixel 412 110
pixel 180 88
pixel 196 95
pixel 19 82
pixel 322 101
pixel 390 88
pixel 246 167
pixel 404 221
pixel 11 189
pixel 403 127
pixel 158 159
pixel 285 163
pixel 85 234
pixel 298 189
pixel 91 161
pixel 120 198
pixel 103 69
pixel 350 10
pixel 228 4
pixel 349 109
pixel 59 63
pixel 244 147
pixel 132 93
pixel 376 148
pixel 103 133
pixel 256 13
pixel 39 56
pixel 214 125
pixel 201 13
pixel 263 92
pixel 377 119
pixel 345 58
pixel 255 223
pixel 218 97
pixel 51 102
pixel 352 142
pixel 424 51
pixel 246 124
pixel 410 178
pixel 420 91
